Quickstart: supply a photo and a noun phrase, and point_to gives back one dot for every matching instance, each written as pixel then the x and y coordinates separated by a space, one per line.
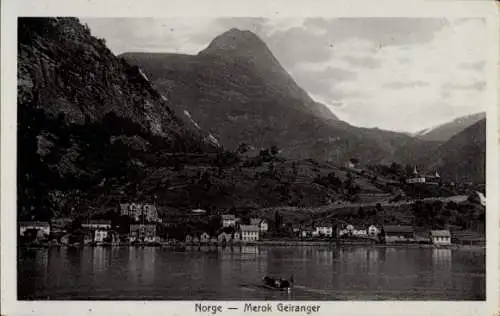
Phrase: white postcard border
pixel 189 8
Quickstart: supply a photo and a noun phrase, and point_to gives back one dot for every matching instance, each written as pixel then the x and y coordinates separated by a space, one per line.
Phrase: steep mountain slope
pixel 238 90
pixel 445 131
pixel 86 119
pixel 463 157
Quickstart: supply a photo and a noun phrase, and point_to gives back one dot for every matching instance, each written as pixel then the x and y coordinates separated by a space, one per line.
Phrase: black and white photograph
pixel 229 158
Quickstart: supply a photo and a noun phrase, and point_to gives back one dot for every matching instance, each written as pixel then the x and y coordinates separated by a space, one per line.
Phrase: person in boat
pixel 278 283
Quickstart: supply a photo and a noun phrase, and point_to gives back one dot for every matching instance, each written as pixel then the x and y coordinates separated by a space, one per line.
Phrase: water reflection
pixel 148 264
pixel 98 259
pixel 133 269
pixel 441 268
pixel 441 259
pixel 235 273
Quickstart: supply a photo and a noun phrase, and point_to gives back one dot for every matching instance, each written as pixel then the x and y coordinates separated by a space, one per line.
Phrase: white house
pixel 342 232
pixel 236 236
pixel 440 237
pixel 249 232
pixel 261 223
pixel 42 228
pixel 100 235
pixel 228 220
pixel 205 237
pixel 359 232
pixel 224 237
pixel 326 231
pixel 373 230
pixel 307 232
pixel 264 226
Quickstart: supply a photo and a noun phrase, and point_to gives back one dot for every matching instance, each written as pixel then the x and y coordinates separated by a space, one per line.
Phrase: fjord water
pixel 234 273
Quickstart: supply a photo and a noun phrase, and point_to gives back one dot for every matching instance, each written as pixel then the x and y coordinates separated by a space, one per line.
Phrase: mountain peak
pixel 236 41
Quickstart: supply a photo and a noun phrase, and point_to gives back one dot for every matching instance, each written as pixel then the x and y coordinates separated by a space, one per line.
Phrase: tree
pixel 354 161
pixel 294 171
pixel 361 212
pixel 278 220
pixel 242 148
pixel 274 150
pixel 76 225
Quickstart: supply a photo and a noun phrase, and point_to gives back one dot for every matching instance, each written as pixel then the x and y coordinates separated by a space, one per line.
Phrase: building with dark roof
pixel 397 233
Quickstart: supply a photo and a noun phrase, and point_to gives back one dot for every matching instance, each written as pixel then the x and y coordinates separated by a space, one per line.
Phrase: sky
pixel 401 74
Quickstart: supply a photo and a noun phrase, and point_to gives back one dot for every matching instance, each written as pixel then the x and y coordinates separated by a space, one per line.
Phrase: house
pixel 360 232
pixel 205 237
pixel 440 237
pixel 228 220
pixel 255 221
pixel 42 228
pixel 307 232
pixel 342 232
pixel 60 225
pixel 347 230
pixel 135 210
pixel 326 231
pixel 189 239
pixel 398 233
pixel 100 235
pixel 373 231
pixel 352 163
pixel 261 223
pixel 97 224
pixel 263 226
pixel 224 237
pixel 416 180
pixel 427 179
pixel 88 237
pixel 143 233
pixel 236 236
pixel 249 232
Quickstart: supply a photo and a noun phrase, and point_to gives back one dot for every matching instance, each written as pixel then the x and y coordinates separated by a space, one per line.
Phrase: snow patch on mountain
pixel 143 74
pixel 191 119
pixel 213 139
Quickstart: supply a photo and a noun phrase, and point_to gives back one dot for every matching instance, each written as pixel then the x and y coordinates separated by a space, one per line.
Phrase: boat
pixel 278 284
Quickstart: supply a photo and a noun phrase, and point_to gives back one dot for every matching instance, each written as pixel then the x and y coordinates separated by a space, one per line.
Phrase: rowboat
pixel 278 284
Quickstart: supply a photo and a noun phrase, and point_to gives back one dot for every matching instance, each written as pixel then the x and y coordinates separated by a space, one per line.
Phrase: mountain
pixel 87 120
pixel 445 131
pixel 463 156
pixel 237 89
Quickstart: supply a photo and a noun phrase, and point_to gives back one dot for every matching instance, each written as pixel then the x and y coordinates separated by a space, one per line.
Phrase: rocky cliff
pixel 86 119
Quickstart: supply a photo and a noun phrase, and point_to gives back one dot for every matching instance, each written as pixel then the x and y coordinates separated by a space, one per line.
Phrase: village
pixel 145 227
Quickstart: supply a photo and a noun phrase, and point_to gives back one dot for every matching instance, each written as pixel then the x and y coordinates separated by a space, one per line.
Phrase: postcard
pixel 230 158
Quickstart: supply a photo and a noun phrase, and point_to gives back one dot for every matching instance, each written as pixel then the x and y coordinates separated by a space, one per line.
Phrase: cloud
pixel 384 31
pixel 405 85
pixel 479 66
pixel 473 86
pixel 366 62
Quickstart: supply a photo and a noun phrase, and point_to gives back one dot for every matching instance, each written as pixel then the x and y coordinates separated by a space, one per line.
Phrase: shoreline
pixel 267 243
